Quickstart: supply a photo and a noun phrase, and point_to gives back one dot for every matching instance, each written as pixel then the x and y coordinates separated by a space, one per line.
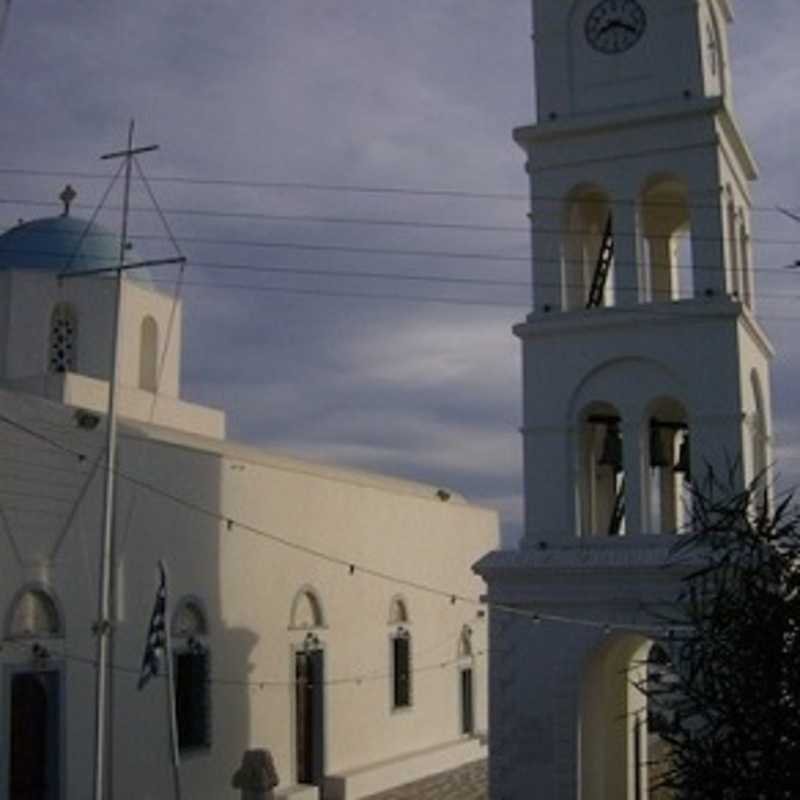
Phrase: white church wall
pixel 246 584
pixel 36 294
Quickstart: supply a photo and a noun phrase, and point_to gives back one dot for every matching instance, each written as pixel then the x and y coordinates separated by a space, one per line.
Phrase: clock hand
pixel 617 23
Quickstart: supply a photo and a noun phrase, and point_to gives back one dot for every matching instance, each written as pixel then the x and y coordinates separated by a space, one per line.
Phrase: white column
pixel 627 253
pixel 548 486
pixel 546 267
pixel 636 497
pixel 712 276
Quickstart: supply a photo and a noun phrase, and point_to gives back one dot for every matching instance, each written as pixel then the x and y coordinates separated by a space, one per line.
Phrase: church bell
pixel 611 455
pixel 658 453
pixel 683 464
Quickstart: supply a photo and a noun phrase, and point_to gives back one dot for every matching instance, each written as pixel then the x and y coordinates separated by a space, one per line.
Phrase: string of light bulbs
pixel 231 524
pixel 62 653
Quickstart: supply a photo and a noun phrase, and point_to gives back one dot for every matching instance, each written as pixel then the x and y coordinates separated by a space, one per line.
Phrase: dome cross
pixel 66 197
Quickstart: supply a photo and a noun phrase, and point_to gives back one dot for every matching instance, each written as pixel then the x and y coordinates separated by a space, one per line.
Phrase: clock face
pixel 614 26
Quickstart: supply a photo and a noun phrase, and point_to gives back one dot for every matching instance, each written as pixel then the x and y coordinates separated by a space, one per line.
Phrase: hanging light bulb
pixel 611 455
pixel 684 463
pixel 658 454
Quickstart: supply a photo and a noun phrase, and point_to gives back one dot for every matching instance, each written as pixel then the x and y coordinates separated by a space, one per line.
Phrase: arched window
pixel 667 231
pixel 398 611
pixel 744 265
pixel 588 226
pixel 601 472
pixel 466 681
pixel 63 350
pixel 192 670
pixel 732 248
pixel 189 620
pixel 400 648
pixel 759 434
pixel 148 355
pixel 34 614
pixel 465 644
pixel 306 611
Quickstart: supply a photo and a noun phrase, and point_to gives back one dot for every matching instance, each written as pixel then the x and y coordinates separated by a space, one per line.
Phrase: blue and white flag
pixel 156 645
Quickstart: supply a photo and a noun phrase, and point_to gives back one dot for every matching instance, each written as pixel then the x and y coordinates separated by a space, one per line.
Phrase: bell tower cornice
pixel 575 127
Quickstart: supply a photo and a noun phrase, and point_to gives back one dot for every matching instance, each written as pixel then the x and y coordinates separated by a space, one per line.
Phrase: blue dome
pixel 59 244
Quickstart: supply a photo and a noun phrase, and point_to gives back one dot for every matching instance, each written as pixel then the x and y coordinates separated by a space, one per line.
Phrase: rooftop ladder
pixel 604 260
pixel 618 512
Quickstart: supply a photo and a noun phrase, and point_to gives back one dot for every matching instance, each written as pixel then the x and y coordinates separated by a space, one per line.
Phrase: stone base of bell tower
pixel 571 626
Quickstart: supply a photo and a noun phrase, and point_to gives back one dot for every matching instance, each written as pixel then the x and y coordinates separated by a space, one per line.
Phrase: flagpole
pixel 103 625
pixel 173 720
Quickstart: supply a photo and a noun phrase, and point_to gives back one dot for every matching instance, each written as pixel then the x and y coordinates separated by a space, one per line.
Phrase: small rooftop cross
pixel 66 197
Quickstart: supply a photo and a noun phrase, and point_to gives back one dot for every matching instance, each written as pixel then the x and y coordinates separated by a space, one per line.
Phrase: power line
pixel 360 189
pixel 687 238
pixel 255 215
pixel 337 272
pixel 663 309
pixel 253 683
pixel 351 567
pixel 275 184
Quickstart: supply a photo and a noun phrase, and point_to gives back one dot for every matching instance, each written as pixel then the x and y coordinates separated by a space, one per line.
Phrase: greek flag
pixel 156 644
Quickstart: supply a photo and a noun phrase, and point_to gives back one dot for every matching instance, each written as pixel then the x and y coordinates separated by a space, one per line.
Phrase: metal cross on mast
pixel 103 628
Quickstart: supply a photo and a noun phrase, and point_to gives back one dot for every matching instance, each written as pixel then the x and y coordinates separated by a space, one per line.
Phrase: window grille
pixel 63 339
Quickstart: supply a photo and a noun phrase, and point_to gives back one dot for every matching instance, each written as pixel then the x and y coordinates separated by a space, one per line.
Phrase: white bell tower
pixel 642 345
pixel 644 367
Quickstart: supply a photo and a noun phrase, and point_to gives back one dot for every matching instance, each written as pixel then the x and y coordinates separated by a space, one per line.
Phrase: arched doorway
pixel 466 676
pixel 34 740
pixel 614 739
pixel 309 677
pixel 309 687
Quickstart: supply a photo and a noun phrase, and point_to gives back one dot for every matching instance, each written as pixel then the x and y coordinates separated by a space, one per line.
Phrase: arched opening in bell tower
pixel 759 434
pixel 587 274
pixel 745 265
pixel 601 479
pixel 669 463
pixel 622 755
pixel 666 225
pixel 732 246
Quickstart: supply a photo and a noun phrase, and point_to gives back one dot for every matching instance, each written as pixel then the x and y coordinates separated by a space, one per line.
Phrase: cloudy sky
pixel 342 172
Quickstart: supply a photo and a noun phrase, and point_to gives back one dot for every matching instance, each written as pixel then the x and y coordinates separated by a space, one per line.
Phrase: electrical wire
pixel 253 683
pixel 273 184
pixel 351 188
pixel 328 220
pixel 535 228
pixel 445 254
pixel 351 567
pixel 366 221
